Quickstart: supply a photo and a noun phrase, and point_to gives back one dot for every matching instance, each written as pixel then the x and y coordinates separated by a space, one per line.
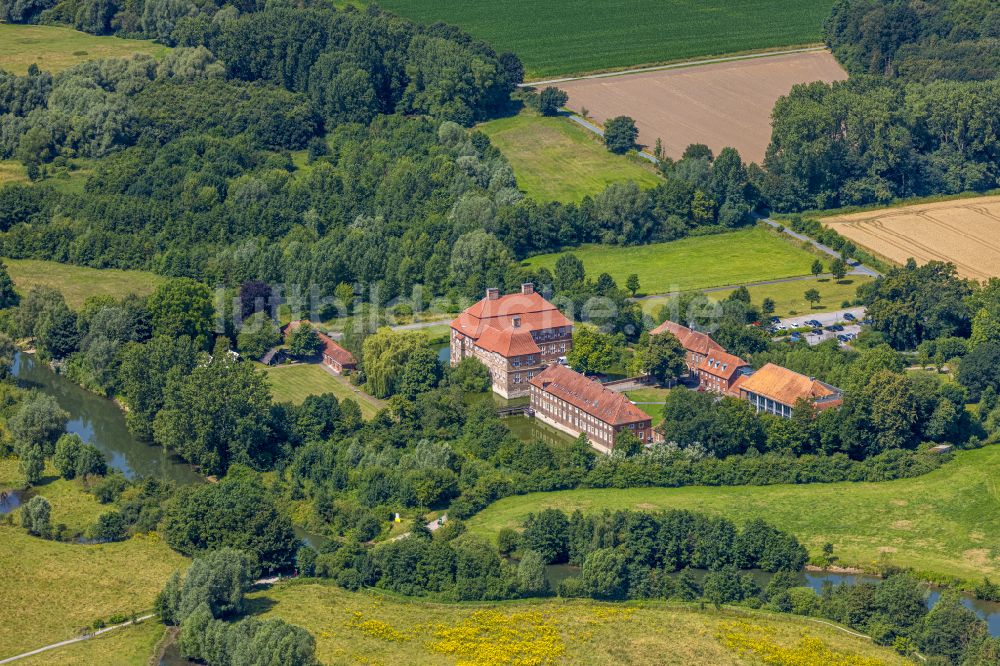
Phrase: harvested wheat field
pixel 720 104
pixel 965 232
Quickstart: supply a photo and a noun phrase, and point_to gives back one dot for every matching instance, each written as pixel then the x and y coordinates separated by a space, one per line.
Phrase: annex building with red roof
pixel 697 345
pixel 775 390
pixel 515 336
pixel 575 404
pixel 333 355
pixel 719 371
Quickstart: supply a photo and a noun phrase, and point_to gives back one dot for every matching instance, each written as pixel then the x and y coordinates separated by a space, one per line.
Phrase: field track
pixel 965 232
pixel 720 104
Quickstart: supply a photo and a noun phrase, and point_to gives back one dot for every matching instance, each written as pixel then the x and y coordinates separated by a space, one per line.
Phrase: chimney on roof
pixel 516 321
pixel 492 294
pixel 527 288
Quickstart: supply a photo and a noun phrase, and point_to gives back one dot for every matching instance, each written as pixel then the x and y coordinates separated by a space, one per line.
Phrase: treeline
pixel 624 555
pixel 352 64
pixel 871 140
pixel 916 118
pixel 398 203
pixel 919 41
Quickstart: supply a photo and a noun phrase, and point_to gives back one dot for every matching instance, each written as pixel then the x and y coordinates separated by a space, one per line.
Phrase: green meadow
pixel 695 262
pixel 77 283
pixel 942 524
pixel 55 48
pixel 555 159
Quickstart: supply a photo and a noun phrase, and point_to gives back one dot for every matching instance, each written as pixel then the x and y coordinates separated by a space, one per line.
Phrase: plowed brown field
pixel 965 232
pixel 721 104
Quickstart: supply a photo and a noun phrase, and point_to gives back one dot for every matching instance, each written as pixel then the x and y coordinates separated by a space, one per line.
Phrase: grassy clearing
pixel 123 647
pixel 294 383
pixel 564 37
pixel 77 283
pixel 942 524
pixel 70 505
pixel 556 160
pixel 55 48
pixel 697 262
pixel 372 628
pixel 11 171
pixel 789 298
pixel 52 589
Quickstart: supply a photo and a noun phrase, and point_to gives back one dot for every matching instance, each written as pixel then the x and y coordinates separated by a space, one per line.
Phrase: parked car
pixel 836 327
pixel 795 337
pixel 775 320
pixel 817 331
pixel 849 317
pixel 843 338
pixel 831 327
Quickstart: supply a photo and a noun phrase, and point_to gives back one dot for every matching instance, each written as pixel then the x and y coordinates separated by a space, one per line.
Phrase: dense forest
pixel 309 147
pixel 917 116
pixel 955 40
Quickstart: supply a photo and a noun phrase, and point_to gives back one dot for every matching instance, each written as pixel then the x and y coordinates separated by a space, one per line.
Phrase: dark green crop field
pixel 556 37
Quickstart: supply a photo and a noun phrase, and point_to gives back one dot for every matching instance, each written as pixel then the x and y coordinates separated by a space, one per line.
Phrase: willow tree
pixel 384 356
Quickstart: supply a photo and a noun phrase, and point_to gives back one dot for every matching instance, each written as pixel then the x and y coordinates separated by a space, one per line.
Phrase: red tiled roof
pixel 786 386
pixel 604 404
pixel 508 342
pixel 330 347
pixel 721 364
pixel 490 322
pixel 336 352
pixel 734 390
pixel 693 341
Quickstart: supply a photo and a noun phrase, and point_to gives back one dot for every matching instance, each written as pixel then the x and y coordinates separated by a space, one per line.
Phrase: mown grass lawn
pixel 650 400
pixel 696 262
pixel 943 524
pixel 294 383
pixel 51 589
pixel 556 160
pixel 77 283
pixel 55 48
pixel 561 37
pixel 368 627
pixel 789 297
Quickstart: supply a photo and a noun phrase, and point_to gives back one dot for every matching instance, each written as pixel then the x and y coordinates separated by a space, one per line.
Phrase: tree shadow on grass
pixel 259 605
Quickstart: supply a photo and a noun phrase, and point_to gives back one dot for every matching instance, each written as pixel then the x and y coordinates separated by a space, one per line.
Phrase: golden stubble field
pixel 720 104
pixel 965 232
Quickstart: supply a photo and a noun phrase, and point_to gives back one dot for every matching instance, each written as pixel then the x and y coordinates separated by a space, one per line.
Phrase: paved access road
pixel 857 268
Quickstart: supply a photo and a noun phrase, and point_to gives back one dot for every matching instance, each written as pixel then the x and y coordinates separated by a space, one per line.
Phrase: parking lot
pixel 824 319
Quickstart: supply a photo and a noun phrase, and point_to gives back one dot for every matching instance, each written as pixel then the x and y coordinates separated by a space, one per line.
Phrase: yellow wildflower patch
pixel 376 628
pixel 748 639
pixel 492 638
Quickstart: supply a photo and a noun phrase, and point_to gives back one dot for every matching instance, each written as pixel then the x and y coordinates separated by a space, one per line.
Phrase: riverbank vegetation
pixel 71 585
pixel 871 525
